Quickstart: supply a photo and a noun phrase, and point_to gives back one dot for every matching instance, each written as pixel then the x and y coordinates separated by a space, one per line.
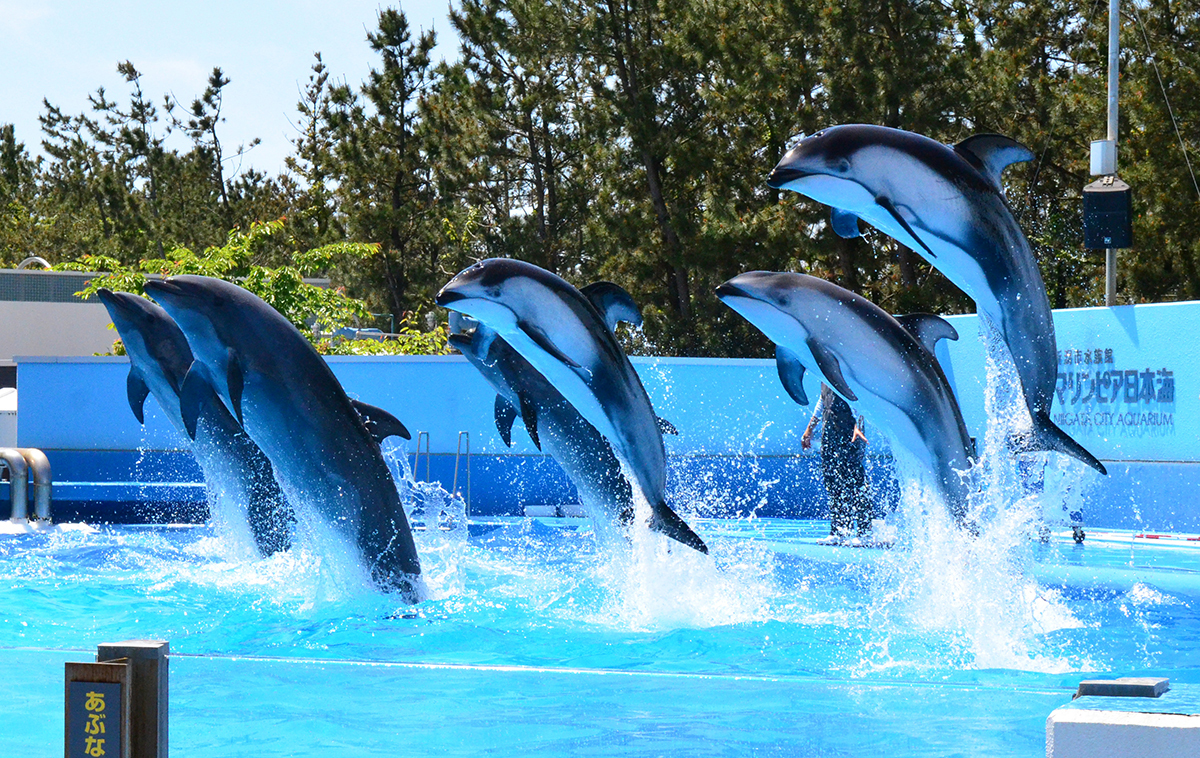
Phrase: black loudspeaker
pixel 1107 214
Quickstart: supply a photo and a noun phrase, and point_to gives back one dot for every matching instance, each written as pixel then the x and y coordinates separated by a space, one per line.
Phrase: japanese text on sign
pixel 95 727
pixel 1093 390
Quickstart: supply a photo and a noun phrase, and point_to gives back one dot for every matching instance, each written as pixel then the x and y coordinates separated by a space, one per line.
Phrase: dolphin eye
pixel 842 165
pixel 492 291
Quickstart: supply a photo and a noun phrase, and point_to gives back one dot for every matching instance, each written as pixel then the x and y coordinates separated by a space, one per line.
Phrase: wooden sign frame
pixel 112 672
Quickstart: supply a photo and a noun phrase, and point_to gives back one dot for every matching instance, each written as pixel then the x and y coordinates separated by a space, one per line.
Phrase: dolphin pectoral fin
pixel 136 389
pixel 928 328
pixel 505 415
pixel 192 394
pixel 828 363
pixel 380 424
pixel 845 224
pixel 613 303
pixel 541 340
pixel 887 205
pixel 1047 436
pixel 666 427
pixel 236 382
pixel 990 154
pixel 791 373
pixel 529 416
pixel 666 521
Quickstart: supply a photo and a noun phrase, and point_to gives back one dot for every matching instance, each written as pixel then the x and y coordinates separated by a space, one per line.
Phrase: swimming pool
pixel 537 641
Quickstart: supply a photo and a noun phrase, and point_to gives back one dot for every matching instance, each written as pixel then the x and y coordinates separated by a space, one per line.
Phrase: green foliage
pixel 408 340
pixel 627 140
pixel 310 308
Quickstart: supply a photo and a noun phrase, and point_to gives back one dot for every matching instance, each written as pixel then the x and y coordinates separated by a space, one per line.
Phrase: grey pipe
pixel 35 259
pixel 19 474
pixel 39 467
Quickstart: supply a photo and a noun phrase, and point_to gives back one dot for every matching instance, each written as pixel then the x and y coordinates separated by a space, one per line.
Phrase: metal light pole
pixel 1114 49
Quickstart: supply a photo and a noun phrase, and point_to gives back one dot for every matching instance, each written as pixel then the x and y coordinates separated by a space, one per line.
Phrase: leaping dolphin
pixel 947 204
pixel 560 333
pixel 553 424
pixel 234 467
pixel 324 446
pixel 886 370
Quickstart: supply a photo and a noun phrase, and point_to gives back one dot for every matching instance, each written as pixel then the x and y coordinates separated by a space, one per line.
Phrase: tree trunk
pixel 848 262
pixel 681 298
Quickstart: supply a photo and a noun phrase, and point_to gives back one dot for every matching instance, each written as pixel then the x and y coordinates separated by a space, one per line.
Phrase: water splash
pixel 438 519
pixel 973 585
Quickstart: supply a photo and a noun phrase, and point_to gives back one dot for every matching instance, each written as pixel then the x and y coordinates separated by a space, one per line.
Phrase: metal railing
pixel 23 464
pixel 417 456
pixel 463 450
pixel 457 455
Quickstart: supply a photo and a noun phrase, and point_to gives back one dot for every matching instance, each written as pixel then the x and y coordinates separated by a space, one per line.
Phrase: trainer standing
pixel 843 446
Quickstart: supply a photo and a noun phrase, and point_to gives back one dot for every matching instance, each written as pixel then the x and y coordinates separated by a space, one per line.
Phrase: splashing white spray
pixel 975 588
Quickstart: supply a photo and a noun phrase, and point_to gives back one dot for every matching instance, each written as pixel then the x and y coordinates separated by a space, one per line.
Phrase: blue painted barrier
pixel 1128 390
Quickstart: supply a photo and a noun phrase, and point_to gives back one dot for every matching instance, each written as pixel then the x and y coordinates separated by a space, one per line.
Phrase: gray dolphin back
pixel 977 225
pixel 323 452
pixel 233 466
pixel 584 454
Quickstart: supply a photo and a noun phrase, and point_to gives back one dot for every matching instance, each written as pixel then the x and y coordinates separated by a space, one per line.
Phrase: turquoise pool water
pixel 538 641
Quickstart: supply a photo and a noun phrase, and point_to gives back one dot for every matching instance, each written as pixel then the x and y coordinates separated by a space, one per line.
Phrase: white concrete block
pixel 1072 733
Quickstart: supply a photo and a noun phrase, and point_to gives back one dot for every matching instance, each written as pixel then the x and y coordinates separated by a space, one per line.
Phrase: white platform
pixel 1072 733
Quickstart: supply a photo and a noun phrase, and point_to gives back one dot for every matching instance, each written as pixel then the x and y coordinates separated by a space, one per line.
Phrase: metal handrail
pixel 43 482
pixel 32 260
pixel 417 456
pixel 457 454
pixel 18 482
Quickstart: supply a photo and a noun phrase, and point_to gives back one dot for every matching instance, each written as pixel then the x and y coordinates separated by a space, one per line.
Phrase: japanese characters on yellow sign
pixel 94 720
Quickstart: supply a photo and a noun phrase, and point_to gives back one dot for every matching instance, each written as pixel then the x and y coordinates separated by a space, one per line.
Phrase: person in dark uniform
pixel 843 446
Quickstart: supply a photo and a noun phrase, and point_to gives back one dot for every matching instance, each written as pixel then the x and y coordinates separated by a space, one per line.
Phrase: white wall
pixel 39 329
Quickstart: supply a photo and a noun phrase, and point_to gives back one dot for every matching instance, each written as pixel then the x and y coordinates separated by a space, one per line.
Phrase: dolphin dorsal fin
pixel 666 427
pixel 928 329
pixel 380 424
pixel 791 373
pixel 613 303
pixel 990 154
pixel 830 368
pixel 505 414
pixel 137 390
pixel 845 224
pixel 529 416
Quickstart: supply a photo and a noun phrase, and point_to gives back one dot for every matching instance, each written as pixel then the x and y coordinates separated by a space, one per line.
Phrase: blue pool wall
pixel 1127 390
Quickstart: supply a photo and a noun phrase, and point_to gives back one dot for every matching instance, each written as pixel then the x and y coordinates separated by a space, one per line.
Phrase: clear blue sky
pixel 64 50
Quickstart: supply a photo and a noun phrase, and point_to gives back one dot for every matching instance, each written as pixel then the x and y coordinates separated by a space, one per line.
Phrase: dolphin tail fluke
pixel 1047 436
pixel 668 522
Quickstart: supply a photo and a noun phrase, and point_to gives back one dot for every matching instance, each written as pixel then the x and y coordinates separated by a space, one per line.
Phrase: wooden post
pixel 148 692
pixel 97 710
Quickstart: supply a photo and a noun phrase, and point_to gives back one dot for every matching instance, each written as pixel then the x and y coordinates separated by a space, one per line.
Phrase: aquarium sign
pixel 1095 390
pixel 93 720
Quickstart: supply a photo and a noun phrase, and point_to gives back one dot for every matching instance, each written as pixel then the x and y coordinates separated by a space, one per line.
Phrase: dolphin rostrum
pixel 559 331
pixel 947 204
pixel 323 445
pixel 234 467
pixel 553 424
pixel 883 367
